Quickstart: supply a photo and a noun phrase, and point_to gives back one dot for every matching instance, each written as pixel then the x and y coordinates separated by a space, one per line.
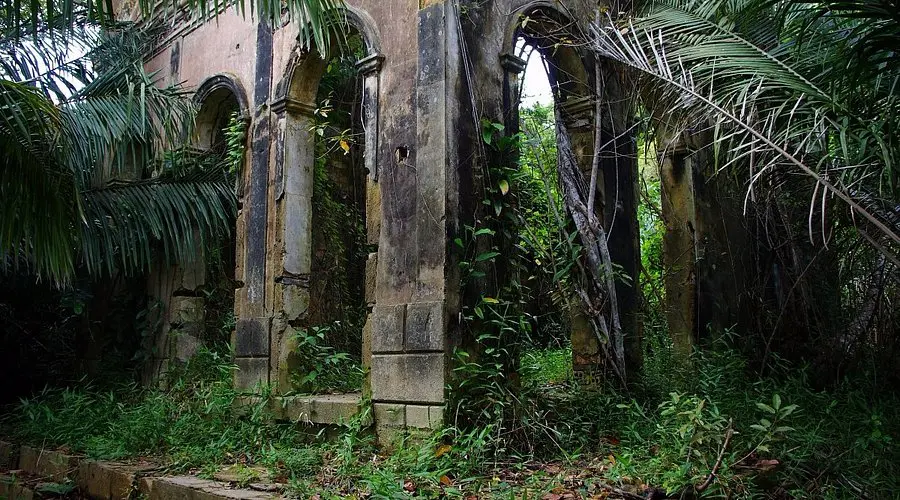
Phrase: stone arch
pixel 223 82
pixel 568 67
pixel 300 81
pixel 294 105
pixel 180 287
pixel 574 73
pixel 216 99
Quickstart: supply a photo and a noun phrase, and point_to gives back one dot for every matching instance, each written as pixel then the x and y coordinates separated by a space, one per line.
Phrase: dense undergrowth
pixel 786 437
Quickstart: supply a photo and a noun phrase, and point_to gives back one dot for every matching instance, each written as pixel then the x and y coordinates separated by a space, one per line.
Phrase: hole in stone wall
pixel 401 154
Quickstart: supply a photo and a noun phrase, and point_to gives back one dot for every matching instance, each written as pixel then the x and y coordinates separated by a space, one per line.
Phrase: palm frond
pixel 122 119
pixel 126 222
pixel 766 100
pixel 65 174
pixel 38 197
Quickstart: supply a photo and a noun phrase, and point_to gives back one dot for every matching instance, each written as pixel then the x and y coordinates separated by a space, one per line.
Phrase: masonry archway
pixel 327 204
pixel 546 30
pixel 199 295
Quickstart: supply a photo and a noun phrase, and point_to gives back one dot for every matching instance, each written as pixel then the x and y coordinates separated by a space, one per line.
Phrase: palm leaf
pixel 126 222
pixel 767 100
pixel 37 193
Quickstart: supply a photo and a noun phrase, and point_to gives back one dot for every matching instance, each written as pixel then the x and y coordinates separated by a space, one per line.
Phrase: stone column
pixel 410 320
pixel 705 247
pixel 294 165
pixel 251 336
pixel 513 66
pixel 618 162
pixel 679 251
pixel 369 68
pixel 587 353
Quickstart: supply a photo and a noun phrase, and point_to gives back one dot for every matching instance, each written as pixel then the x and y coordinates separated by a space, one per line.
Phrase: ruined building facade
pixel 432 70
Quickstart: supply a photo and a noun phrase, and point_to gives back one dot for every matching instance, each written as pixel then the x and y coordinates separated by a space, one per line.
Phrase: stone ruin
pixel 431 69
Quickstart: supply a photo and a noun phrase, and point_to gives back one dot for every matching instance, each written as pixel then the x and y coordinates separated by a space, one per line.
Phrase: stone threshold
pixel 321 409
pixel 330 409
pixel 27 469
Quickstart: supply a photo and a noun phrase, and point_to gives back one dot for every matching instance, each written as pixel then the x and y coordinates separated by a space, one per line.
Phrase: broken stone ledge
pixel 26 468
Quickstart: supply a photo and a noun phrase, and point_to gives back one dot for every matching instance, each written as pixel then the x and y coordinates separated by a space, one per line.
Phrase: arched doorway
pixel 588 110
pixel 328 213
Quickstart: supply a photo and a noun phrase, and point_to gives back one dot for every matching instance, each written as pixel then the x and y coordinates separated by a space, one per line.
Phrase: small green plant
pixel 321 367
pixel 770 427
pixel 235 144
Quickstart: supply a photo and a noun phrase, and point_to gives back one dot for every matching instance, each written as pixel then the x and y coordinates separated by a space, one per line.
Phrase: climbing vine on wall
pixel 518 255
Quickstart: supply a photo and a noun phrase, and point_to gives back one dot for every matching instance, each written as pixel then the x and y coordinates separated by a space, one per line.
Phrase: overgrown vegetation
pixel 785 436
pixel 330 341
pixel 753 413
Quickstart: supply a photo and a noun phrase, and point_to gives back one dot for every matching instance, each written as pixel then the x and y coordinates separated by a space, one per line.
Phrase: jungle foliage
pixel 798 102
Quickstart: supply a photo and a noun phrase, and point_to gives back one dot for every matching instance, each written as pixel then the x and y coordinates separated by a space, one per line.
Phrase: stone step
pixel 33 467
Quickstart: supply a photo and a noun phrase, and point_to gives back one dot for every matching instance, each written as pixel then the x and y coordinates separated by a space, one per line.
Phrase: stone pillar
pixel 618 162
pixel 679 250
pixel 513 66
pixel 251 336
pixel 587 354
pixel 294 165
pixel 369 68
pixel 705 247
pixel 410 320
pixel 179 309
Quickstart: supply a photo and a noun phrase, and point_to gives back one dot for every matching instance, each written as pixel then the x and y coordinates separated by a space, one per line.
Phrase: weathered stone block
pixel 294 408
pixel 391 415
pixel 121 483
pixel 186 345
pixel 295 301
pixel 93 480
pixel 12 489
pixel 320 409
pixel 9 455
pixel 436 416
pixel 334 409
pixel 193 488
pixel 424 416
pixel 250 373
pixel 48 465
pixel 168 489
pixel 371 276
pixel 425 326
pixel 145 486
pixel 251 337
pixel 186 310
pixel 387 328
pixel 408 377
pixel 108 480
pixel 417 416
pixel 285 358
